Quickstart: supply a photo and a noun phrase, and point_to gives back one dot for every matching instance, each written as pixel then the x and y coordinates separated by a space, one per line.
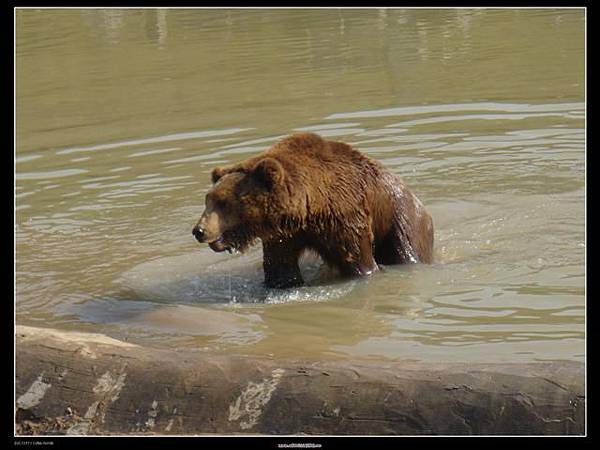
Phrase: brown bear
pixel 307 193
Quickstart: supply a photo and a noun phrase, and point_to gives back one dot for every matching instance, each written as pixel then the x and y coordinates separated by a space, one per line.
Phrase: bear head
pixel 243 205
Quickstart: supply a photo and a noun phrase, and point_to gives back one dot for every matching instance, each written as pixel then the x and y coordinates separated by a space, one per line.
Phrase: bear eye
pixel 221 203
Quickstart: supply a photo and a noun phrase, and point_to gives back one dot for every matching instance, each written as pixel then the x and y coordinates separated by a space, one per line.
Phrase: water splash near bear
pixel 205 278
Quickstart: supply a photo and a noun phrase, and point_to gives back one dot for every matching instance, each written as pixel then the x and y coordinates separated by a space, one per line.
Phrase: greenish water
pixel 122 114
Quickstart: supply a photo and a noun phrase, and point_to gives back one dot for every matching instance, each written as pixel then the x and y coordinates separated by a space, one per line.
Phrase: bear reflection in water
pixel 307 193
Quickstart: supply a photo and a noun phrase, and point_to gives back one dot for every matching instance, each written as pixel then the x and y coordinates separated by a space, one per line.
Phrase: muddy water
pixel 121 115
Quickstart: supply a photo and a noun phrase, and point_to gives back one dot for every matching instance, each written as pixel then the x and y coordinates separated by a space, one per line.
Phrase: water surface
pixel 122 114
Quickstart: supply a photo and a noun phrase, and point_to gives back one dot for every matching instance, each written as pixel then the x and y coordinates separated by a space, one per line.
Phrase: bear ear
pixel 269 171
pixel 216 174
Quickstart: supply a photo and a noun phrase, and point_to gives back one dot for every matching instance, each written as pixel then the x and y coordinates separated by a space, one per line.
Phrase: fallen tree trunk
pixel 84 384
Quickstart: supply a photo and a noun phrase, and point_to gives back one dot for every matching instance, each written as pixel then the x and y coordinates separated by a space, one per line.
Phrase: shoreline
pixel 77 383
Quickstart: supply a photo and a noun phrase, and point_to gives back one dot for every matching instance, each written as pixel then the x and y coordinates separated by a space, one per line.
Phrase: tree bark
pixel 89 384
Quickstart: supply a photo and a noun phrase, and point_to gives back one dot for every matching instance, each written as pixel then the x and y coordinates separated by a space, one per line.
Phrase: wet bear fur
pixel 308 193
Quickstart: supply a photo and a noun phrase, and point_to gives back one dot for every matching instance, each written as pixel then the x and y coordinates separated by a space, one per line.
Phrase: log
pixel 89 384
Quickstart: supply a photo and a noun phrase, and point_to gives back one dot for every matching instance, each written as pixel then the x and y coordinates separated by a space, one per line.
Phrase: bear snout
pixel 199 233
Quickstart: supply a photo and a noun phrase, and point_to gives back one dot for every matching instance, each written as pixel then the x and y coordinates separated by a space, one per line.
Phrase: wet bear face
pixel 240 205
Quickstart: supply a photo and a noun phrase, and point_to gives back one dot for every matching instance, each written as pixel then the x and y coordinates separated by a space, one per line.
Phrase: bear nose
pixel 198 233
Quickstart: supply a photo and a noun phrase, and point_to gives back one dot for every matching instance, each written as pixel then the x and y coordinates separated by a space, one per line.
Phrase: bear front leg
pixel 361 262
pixel 280 262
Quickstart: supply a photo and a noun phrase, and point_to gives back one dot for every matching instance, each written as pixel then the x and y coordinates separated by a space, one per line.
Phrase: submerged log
pixel 89 384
